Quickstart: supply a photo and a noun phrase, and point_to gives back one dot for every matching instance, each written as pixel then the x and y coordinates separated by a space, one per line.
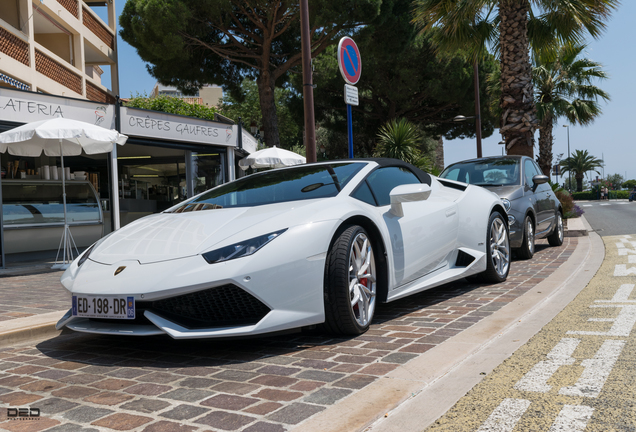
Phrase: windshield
pixel 293 184
pixel 485 172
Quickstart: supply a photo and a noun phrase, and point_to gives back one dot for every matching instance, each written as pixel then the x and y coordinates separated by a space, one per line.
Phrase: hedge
pixel 592 195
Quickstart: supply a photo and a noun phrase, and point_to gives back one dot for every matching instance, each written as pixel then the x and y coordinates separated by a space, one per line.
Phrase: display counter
pixel 33 214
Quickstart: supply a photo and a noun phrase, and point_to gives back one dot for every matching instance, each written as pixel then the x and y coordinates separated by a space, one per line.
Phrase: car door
pixel 421 239
pixel 540 197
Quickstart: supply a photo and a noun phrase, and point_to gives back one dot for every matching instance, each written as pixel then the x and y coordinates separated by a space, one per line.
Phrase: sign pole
pixel 350 66
pixel 350 131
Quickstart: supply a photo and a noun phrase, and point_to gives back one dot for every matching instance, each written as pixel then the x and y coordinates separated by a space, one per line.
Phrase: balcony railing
pixel 70 5
pixel 13 46
pixel 97 94
pixel 54 70
pixel 102 32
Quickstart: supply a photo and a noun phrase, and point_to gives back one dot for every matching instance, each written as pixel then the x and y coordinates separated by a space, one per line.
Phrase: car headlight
pixel 506 203
pixel 241 249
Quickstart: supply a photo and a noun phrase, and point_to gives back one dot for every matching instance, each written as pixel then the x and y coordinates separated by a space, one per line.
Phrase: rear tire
pixel 350 283
pixel 526 251
pixel 556 238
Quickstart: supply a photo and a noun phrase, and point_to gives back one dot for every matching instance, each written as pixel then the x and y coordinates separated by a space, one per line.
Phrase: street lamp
pixel 461 118
pixel 569 156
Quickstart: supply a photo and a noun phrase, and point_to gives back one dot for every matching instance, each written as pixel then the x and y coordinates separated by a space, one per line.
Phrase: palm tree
pixel 564 88
pixel 518 25
pixel 399 139
pixel 579 163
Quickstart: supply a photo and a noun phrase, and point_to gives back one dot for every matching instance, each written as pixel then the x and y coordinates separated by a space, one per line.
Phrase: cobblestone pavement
pixel 24 296
pixel 92 382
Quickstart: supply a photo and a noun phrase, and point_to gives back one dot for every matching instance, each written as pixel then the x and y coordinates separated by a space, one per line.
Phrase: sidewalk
pixel 429 342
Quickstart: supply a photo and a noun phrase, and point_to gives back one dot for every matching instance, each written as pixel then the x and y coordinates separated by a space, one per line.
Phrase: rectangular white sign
pixel 249 142
pixel 25 107
pixel 351 95
pixel 153 124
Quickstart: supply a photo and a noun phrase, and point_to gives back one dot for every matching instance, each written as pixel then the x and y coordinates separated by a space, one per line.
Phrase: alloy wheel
pixel 500 247
pixel 362 279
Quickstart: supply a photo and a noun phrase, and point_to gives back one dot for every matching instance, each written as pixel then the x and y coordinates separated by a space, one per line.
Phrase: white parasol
pixel 271 158
pixel 60 137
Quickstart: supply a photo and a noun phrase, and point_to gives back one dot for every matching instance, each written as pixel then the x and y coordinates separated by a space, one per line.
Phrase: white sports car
pixel 288 248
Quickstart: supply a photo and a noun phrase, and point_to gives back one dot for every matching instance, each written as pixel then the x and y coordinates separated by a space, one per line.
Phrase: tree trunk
pixel 545 145
pixel 579 182
pixel 439 154
pixel 519 120
pixel 265 83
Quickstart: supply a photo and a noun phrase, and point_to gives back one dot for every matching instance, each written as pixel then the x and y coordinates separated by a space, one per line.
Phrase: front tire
pixel 526 251
pixel 556 238
pixel 350 283
pixel 497 250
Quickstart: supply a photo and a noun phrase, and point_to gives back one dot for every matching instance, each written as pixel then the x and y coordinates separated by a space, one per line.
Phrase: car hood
pixel 510 192
pixel 169 236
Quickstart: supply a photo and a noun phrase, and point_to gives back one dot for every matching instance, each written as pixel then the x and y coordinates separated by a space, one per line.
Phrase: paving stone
pixel 418 348
pixel 54 374
pixel 183 412
pixel 44 423
pixel 74 392
pixel 113 384
pixel 158 378
pixel 80 378
pixel 148 389
pixel 278 395
pixel 15 381
pixel 26 370
pixel 295 413
pixel 41 386
pixel 55 406
pixel 274 380
pixel 71 427
pixel 108 398
pixel 307 385
pixel 145 405
pixel 167 426
pixel 327 396
pixel 315 375
pixel 235 387
pixel 279 370
pixel 198 382
pixel 398 357
pixel 229 402
pixel 355 381
pixel 197 371
pixel 225 420
pixel 378 369
pixel 121 421
pixel 68 365
pixel 265 427
pixel 18 398
pixel 86 414
pixel 187 395
pixel 235 375
pixel 264 408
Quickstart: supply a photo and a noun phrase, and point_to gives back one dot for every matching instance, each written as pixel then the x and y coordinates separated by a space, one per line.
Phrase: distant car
pixel 288 248
pixel 533 209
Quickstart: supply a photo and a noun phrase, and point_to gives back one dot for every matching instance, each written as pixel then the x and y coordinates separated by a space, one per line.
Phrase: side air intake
pixel 463 259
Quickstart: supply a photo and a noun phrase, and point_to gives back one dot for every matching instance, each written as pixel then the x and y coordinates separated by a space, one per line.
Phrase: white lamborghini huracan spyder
pixel 283 249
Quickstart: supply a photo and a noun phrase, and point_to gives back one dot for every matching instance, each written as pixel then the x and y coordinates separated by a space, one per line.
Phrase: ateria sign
pixel 25 107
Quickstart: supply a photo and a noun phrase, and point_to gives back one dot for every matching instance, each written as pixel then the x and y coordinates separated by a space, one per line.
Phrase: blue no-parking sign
pixel 349 60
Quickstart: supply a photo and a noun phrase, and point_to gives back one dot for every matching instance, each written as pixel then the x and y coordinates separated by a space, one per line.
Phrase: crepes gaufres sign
pixel 144 123
pixel 22 107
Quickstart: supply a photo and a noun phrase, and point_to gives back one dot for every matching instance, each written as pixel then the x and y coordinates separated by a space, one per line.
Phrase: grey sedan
pixel 533 209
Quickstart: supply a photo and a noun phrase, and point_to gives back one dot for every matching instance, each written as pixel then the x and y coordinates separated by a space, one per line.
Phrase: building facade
pixel 59 47
pixel 208 95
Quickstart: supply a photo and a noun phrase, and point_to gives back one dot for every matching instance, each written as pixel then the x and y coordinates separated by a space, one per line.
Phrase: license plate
pixel 104 307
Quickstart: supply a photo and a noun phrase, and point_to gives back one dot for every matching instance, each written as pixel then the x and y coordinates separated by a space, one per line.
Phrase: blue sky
pixel 608 137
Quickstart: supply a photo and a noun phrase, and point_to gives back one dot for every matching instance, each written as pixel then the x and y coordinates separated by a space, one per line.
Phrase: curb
pixel 416 394
pixel 576 227
pixel 34 327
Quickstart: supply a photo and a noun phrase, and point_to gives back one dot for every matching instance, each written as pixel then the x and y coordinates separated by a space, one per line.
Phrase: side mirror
pixel 407 193
pixel 539 179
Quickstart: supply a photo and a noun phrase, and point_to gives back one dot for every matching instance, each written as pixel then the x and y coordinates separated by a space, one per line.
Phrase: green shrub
pixel 587 195
pixel 567 203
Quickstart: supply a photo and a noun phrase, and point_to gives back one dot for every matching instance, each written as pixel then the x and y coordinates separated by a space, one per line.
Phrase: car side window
pixel 530 171
pixel 363 193
pixel 383 180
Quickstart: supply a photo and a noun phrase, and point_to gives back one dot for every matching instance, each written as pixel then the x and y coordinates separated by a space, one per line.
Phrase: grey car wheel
pixel 556 238
pixel 526 251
